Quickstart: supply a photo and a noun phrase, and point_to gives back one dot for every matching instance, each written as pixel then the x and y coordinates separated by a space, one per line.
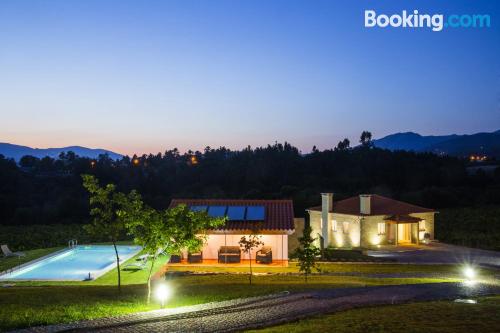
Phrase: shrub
pixel 20 238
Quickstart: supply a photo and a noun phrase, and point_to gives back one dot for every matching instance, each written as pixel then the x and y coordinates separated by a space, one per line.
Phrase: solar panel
pixel 236 213
pixel 198 208
pixel 216 211
pixel 255 213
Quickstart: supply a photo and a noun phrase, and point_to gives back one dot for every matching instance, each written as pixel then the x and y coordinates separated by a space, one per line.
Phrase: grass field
pixel 38 303
pixel 428 317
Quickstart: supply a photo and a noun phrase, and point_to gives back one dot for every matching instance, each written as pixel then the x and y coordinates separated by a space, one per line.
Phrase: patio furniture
pixel 137 265
pixel 264 255
pixel 175 259
pixel 143 257
pixel 196 257
pixel 8 253
pixel 229 254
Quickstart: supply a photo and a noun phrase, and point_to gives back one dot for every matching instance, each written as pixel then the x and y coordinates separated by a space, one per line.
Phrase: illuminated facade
pixel 272 220
pixel 369 220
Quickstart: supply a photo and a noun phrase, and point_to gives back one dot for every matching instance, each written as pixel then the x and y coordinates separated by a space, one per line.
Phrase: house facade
pixel 273 220
pixel 369 220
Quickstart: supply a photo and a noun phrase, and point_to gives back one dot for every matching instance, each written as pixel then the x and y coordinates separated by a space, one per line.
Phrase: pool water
pixel 74 264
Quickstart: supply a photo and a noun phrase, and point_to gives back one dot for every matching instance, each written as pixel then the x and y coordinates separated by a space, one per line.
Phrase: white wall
pixel 278 243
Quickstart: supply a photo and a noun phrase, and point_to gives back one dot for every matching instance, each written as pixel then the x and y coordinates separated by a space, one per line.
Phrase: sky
pixel 147 76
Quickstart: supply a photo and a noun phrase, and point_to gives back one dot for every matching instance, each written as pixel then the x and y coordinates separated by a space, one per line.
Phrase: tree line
pixel 48 191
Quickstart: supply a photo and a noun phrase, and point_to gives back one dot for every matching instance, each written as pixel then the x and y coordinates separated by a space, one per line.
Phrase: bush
pixel 470 226
pixel 30 237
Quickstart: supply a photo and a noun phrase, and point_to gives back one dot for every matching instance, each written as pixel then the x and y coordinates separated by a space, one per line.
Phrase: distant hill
pixel 16 151
pixel 456 145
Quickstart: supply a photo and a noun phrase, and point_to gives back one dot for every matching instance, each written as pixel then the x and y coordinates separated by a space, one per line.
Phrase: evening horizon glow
pixel 145 77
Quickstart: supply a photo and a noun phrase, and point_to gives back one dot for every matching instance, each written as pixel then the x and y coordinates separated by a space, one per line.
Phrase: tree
pixel 170 231
pixel 107 222
pixel 247 245
pixel 343 145
pixel 366 139
pixel 306 253
pixel 28 161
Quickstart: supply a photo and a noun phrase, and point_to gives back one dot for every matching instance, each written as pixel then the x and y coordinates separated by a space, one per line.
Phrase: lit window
pixel 381 228
pixel 345 226
pixel 421 225
pixel 334 225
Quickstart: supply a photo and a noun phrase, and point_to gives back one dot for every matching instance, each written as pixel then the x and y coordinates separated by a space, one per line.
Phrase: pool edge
pixel 34 261
pixel 4 279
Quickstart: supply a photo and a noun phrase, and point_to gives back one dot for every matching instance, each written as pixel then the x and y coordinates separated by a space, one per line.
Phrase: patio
pixel 215 263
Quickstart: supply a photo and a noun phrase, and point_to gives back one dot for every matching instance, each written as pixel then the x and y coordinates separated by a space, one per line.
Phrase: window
pixel 345 226
pixel 381 228
pixel 421 225
pixel 334 226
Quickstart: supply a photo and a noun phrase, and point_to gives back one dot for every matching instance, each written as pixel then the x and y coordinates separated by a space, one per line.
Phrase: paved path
pixel 437 253
pixel 229 316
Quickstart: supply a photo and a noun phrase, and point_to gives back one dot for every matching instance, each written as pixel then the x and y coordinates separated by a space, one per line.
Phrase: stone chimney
pixel 365 204
pixel 326 207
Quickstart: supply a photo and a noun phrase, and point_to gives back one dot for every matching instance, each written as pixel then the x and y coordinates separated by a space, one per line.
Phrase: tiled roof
pixel 379 205
pixel 278 213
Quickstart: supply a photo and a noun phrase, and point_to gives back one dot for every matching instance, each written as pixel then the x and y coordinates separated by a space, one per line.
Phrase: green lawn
pixel 428 317
pixel 36 305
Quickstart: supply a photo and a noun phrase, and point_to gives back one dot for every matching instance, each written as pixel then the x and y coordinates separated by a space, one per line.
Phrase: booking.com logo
pixel 437 22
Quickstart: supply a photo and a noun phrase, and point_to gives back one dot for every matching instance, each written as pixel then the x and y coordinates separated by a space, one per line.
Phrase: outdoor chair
pixel 229 254
pixel 8 253
pixel 264 255
pixel 175 258
pixel 137 265
pixel 196 257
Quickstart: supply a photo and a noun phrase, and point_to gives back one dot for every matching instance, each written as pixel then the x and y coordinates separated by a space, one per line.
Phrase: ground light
pixel 470 274
pixel 162 293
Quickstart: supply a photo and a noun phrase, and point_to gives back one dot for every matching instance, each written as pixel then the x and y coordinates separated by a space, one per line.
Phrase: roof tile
pixel 379 205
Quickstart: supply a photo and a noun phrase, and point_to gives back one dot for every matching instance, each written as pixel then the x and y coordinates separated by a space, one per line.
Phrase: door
pixel 404 233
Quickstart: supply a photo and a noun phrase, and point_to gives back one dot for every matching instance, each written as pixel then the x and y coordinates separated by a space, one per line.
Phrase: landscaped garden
pixel 38 303
pixel 114 214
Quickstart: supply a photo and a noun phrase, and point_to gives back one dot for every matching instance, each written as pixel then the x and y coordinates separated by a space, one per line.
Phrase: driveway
pixel 440 253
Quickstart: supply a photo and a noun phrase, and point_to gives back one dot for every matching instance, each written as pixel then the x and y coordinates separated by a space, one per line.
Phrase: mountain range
pixel 455 145
pixel 16 152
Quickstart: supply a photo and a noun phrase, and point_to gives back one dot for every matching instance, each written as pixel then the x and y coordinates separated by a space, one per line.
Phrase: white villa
pixel 368 220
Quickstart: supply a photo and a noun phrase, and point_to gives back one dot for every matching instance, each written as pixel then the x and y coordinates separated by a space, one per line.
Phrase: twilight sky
pixel 146 76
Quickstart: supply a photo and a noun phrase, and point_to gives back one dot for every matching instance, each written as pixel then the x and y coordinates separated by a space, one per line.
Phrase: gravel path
pixel 256 312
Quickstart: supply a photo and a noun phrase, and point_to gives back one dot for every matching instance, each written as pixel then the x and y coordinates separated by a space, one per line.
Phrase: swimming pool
pixel 73 264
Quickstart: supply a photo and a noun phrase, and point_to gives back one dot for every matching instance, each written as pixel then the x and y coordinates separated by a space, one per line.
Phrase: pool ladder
pixel 72 243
